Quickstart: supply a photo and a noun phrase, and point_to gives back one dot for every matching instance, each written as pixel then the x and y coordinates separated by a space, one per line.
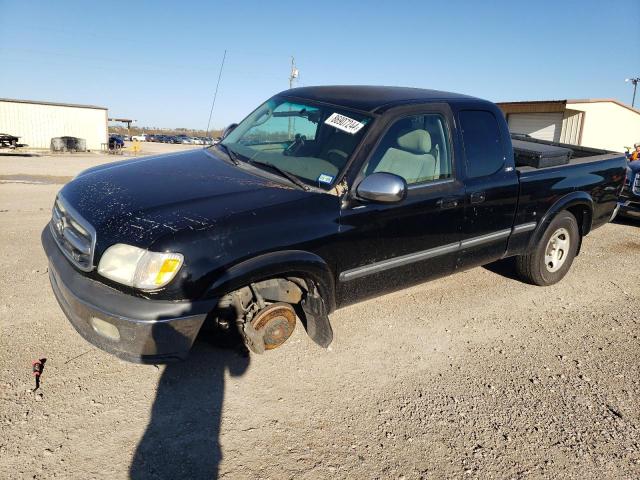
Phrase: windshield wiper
pixel 290 176
pixel 230 153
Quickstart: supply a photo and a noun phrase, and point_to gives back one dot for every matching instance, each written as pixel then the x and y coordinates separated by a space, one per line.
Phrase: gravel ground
pixel 473 376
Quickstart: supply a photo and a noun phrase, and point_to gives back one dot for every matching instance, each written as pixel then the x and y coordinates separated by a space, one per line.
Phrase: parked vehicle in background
pixel 321 197
pixel 143 137
pixel 9 141
pixel 116 142
pixel 630 197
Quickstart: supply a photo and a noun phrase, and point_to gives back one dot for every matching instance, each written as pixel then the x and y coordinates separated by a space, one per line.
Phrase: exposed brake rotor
pixel 272 325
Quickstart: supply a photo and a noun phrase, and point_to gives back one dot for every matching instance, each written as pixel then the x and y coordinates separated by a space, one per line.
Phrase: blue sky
pixel 158 62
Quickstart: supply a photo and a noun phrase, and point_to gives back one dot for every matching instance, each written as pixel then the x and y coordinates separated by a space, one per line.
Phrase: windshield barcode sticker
pixel 324 178
pixel 343 123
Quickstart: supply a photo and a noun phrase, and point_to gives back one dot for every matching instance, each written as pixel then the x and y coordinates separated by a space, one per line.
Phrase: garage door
pixel 545 126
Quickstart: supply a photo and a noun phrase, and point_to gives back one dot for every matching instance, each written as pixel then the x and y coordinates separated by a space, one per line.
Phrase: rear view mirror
pixel 228 130
pixel 382 187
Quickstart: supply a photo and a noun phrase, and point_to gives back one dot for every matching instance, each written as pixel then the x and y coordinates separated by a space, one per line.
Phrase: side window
pixel 482 146
pixel 415 148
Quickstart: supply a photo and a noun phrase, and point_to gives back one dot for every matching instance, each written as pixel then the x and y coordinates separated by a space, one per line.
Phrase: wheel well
pixel 583 217
pixel 578 205
pixel 278 265
pixel 241 306
pixel 280 288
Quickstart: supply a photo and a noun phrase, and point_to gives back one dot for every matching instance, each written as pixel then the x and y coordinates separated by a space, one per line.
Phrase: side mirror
pixel 382 187
pixel 229 129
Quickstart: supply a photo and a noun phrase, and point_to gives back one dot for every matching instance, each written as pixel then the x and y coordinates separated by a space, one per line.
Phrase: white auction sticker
pixel 344 123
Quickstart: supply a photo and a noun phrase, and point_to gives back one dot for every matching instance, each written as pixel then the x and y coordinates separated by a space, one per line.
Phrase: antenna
pixel 216 92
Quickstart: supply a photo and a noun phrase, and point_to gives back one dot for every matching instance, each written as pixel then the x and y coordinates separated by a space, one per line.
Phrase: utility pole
pixel 293 75
pixel 294 72
pixel 634 81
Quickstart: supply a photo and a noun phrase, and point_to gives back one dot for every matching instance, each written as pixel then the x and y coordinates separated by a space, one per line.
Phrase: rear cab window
pixel 483 147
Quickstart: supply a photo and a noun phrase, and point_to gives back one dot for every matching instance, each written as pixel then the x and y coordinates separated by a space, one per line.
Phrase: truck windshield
pixel 312 142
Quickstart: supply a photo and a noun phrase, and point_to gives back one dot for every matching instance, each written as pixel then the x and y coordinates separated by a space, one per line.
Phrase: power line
pixel 216 92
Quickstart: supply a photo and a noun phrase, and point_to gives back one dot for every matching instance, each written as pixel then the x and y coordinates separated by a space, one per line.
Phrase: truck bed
pixel 593 171
pixel 580 154
pixel 587 159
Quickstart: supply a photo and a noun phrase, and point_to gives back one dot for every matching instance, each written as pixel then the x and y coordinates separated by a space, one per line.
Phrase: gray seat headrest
pixel 416 141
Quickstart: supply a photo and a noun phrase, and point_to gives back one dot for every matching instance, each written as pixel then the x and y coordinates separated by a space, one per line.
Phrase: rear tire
pixel 553 255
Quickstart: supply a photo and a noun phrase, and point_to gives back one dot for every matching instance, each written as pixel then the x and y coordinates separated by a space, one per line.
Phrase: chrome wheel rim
pixel 557 250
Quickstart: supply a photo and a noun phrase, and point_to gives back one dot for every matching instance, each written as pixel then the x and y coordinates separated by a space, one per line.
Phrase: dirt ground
pixel 473 376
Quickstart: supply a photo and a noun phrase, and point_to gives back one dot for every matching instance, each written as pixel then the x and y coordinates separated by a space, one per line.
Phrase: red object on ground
pixel 38 368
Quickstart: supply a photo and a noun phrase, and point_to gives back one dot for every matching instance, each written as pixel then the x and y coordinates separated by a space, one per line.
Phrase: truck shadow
pixel 505 268
pixel 182 437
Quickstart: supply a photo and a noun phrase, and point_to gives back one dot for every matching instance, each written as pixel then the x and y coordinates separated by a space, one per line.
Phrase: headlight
pixel 138 267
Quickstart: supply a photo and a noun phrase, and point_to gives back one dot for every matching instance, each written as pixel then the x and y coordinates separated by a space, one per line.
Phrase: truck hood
pixel 139 201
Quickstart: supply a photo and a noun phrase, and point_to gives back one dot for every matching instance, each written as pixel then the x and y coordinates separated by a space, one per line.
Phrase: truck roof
pixel 370 98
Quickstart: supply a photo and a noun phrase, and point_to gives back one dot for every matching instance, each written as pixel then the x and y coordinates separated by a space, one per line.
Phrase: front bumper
pixel 135 329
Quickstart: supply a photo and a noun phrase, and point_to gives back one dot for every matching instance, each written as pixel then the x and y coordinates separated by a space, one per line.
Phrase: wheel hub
pixel 274 324
pixel 557 250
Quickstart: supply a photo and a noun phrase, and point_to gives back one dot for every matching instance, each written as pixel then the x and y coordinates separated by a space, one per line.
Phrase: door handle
pixel 447 203
pixel 478 197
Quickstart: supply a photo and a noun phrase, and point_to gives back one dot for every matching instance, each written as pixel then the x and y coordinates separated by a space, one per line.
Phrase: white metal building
pixel 38 122
pixel 598 123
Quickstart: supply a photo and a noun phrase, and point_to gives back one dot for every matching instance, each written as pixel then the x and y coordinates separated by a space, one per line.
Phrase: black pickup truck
pixel 321 197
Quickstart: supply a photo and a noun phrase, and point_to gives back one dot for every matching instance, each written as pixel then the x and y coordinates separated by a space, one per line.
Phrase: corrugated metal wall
pixel 545 126
pixel 37 124
pixel 571 127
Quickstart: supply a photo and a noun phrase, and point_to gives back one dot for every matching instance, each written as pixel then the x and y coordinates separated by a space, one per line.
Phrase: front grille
pixel 636 184
pixel 73 234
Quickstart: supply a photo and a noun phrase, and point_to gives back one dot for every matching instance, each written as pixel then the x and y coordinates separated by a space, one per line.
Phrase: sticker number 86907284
pixel 344 123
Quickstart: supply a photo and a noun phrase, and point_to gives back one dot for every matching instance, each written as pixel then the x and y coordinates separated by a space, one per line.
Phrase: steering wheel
pixel 296 145
pixel 338 155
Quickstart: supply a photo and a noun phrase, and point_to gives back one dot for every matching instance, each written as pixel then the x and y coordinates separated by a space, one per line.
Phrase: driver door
pixel 391 246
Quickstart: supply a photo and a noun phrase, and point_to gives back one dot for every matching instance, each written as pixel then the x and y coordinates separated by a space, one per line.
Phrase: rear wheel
pixel 554 253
